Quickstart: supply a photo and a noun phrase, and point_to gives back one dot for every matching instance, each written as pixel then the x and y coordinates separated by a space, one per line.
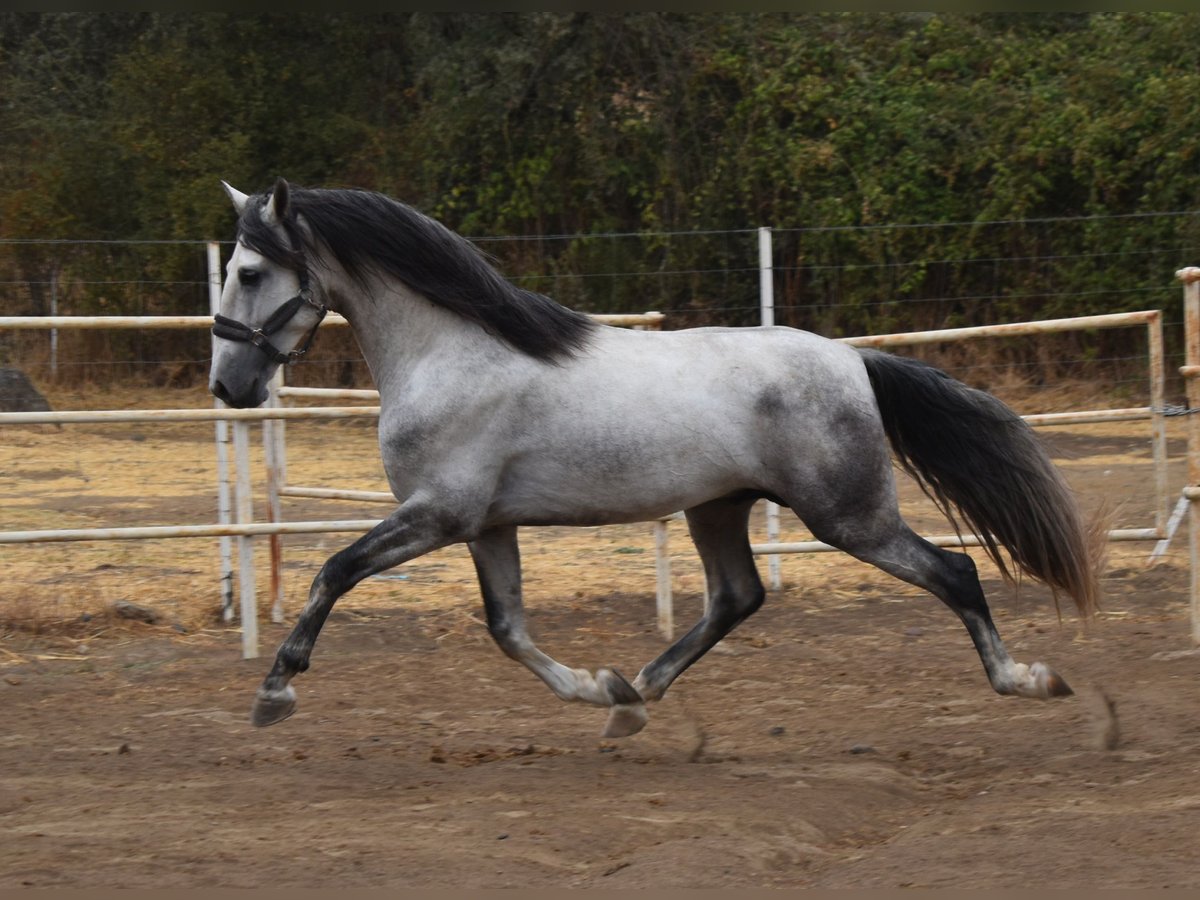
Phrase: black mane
pixel 367 232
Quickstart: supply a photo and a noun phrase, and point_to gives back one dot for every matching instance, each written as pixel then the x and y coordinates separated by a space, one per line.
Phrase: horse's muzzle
pixel 254 396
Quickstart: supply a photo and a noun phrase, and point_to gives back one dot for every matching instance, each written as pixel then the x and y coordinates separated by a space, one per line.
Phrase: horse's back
pixel 758 373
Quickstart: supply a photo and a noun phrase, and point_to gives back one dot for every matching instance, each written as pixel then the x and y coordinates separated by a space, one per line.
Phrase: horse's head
pixel 268 314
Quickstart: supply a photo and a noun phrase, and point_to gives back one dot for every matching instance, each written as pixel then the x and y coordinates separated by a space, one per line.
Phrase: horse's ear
pixel 277 206
pixel 239 199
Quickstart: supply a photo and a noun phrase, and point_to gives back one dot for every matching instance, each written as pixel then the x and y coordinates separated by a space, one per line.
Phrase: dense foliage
pixel 1077 132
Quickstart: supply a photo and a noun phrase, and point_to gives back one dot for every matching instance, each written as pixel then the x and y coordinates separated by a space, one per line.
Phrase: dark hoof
pixel 1056 686
pixel 272 706
pixel 1049 683
pixel 620 691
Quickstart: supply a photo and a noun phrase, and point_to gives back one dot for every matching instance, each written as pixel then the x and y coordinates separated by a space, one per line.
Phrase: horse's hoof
pixel 1049 682
pixel 272 706
pixel 625 719
pixel 618 689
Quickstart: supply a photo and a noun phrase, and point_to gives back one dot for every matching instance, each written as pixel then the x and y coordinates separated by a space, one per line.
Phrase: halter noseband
pixel 233 330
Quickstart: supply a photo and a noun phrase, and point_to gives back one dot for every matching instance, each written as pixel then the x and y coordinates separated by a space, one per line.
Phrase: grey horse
pixel 501 408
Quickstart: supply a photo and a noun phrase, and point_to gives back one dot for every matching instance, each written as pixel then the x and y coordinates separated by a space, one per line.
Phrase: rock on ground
pixel 17 393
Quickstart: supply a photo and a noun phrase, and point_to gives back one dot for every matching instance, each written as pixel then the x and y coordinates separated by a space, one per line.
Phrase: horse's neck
pixel 401 332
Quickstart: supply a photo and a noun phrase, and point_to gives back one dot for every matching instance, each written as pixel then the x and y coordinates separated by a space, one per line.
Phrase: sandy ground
pixel 844 736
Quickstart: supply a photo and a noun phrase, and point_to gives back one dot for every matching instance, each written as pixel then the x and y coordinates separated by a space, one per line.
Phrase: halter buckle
pixel 232 330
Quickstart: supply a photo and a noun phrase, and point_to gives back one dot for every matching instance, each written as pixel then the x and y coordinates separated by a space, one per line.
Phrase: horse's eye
pixel 248 276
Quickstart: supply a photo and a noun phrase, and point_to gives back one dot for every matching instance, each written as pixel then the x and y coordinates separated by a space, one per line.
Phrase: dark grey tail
pixel 971 453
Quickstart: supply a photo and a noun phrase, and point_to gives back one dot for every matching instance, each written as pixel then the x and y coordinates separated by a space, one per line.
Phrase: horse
pixel 500 408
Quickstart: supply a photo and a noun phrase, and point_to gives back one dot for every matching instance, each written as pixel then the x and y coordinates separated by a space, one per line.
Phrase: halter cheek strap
pixel 233 330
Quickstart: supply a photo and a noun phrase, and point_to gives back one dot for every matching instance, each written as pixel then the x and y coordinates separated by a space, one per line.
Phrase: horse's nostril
pixel 220 392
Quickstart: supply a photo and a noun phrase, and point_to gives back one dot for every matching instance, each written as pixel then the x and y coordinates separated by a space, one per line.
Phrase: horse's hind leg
pixel 498 563
pixel 953 579
pixel 735 591
pixel 886 541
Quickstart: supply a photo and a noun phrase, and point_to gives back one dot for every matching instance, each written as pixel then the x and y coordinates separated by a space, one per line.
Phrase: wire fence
pixel 835 280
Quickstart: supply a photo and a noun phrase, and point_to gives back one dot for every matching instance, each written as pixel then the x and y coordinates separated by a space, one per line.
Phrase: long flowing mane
pixel 368 232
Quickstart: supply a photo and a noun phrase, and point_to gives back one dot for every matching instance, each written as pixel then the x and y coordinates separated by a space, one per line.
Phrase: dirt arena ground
pixel 844 736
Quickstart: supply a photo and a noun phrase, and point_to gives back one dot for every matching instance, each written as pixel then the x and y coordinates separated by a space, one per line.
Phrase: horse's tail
pixel 971 453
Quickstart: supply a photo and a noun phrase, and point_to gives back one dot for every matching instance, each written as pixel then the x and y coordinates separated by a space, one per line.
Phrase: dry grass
pixel 32 612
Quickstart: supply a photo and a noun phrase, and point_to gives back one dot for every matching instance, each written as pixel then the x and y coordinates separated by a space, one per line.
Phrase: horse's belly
pixel 638 490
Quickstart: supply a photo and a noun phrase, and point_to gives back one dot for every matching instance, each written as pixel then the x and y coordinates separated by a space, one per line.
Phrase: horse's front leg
pixel 498 563
pixel 414 529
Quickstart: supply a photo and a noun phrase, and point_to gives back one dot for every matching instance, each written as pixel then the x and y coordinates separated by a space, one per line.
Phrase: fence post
pixel 1158 421
pixel 1190 372
pixel 224 504
pixel 273 455
pixel 662 576
pixel 243 513
pixel 247 589
pixel 766 295
pixel 54 331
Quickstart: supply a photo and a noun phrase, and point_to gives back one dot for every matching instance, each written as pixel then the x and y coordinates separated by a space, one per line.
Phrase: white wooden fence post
pixel 247 589
pixel 224 504
pixel 1191 372
pixel 766 292
pixel 662 577
pixel 273 453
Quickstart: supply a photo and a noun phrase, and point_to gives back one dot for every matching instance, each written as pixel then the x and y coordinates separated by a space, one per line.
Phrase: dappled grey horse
pixel 500 408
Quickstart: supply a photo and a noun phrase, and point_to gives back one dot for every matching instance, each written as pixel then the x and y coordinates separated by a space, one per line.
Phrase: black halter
pixel 233 330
